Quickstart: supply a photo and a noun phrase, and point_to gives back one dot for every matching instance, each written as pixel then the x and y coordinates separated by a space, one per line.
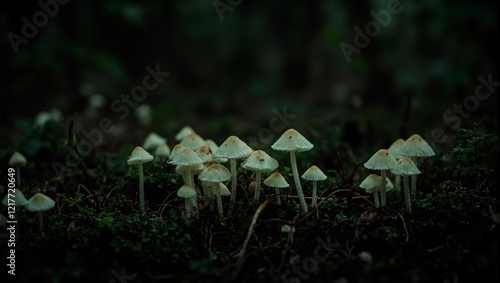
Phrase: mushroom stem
pixel 233 179
pixel 187 204
pixel 296 179
pixel 40 221
pixel 313 202
pixel 219 199
pixel 383 184
pixel 278 195
pixel 18 176
pixel 407 194
pixel 414 186
pixel 375 197
pixel 257 186
pixel 206 192
pixel 141 188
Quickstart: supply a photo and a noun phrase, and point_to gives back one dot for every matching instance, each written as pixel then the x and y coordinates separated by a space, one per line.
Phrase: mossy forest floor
pixel 95 233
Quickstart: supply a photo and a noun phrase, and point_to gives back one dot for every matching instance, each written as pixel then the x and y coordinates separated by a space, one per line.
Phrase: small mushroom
pixel 186 157
pixel 259 161
pixel 39 203
pixel 372 185
pixel 382 160
pixel 213 174
pixel 183 133
pixel 405 167
pixel 17 160
pixel 162 152
pixel 193 141
pixel 394 150
pixel 188 194
pixel 152 141
pixel 314 174
pixel 276 181
pixel 138 157
pixel 19 199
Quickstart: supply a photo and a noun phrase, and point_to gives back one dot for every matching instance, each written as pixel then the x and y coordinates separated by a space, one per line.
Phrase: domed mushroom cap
pixel 276 180
pixel 224 191
pixel 194 169
pixel 39 202
pixel 152 141
pixel 162 150
pixel 381 160
pixel 211 144
pixel 193 141
pixel 205 154
pixel 17 159
pixel 183 133
pixel 394 148
pixel 175 150
pixel 186 192
pixel 233 148
pixel 259 160
pixel 19 198
pixel 214 173
pixel 372 182
pixel 405 167
pixel 389 186
pixel 185 157
pixel 314 174
pixel 416 146
pixel 291 140
pixel 139 156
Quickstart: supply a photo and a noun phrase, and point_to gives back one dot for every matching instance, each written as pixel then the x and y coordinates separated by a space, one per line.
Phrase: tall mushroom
pixel 215 173
pixel 292 141
pixel 405 168
pixel 416 148
pixel 314 174
pixel 394 150
pixel 138 157
pixel 17 160
pixel 382 160
pixel 39 203
pixel 276 181
pixel 233 148
pixel 259 161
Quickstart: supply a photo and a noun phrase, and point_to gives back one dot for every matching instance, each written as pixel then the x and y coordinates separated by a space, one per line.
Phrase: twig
pixel 404 226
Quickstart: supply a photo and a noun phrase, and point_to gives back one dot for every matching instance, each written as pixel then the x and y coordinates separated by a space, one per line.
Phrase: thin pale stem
pixel 414 186
pixel 278 195
pixel 407 194
pixel 233 180
pixel 298 186
pixel 187 204
pixel 219 200
pixel 383 184
pixel 375 198
pixel 313 202
pixel 141 188
pixel 257 187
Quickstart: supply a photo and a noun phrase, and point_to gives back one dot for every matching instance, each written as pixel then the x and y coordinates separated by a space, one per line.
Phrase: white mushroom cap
pixel 205 154
pixel 139 155
pixel 39 202
pixel 162 150
pixel 405 167
pixel 175 150
pixel 42 118
pixel 19 198
pixel 224 191
pixel 183 133
pixel 372 182
pixel 186 191
pixel 211 144
pixel 193 141
pixel 152 141
pixel 389 186
pixel 276 180
pixel 195 169
pixel 381 160
pixel 233 148
pixel 416 146
pixel 214 173
pixel 259 160
pixel 291 140
pixel 17 159
pixel 314 174
pixel 394 148
pixel 185 157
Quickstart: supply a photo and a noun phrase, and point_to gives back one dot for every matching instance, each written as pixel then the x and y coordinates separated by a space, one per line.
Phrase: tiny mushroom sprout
pixel 372 185
pixel 183 133
pixel 188 194
pixel 416 147
pixel 314 174
pixel 293 141
pixel 138 157
pixel 162 152
pixel 394 150
pixel 193 141
pixel 259 161
pixel 233 148
pixel 382 160
pixel 215 173
pixel 39 203
pixel 152 141
pixel 405 167
pixel 17 160
pixel 276 181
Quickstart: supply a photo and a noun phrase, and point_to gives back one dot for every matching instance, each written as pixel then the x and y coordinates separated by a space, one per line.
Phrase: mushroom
pixel 183 133
pixel 405 167
pixel 153 140
pixel 175 150
pixel 215 173
pixel 205 154
pixel 213 146
pixel 416 148
pixel 276 181
pixel 188 194
pixel 259 161
pixel 144 114
pixel 394 150
pixel 233 148
pixel 19 199
pixel 193 141
pixel 293 141
pixel 186 157
pixel 138 157
pixel 162 152
pixel 382 160
pixel 219 190
pixel 39 203
pixel 314 174
pixel 17 160
pixel 372 185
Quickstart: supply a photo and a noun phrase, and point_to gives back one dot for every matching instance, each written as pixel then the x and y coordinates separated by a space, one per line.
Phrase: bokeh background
pixel 228 74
